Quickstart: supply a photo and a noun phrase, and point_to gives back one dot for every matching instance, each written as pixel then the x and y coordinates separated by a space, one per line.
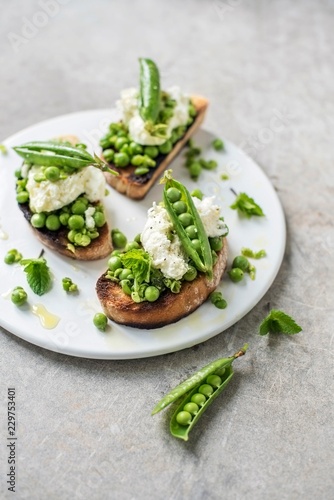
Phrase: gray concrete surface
pixel 85 429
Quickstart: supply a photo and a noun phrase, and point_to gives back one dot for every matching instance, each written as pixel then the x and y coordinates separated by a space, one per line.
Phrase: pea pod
pixel 50 154
pixel 195 380
pixel 57 148
pixel 182 431
pixel 205 263
pixel 149 90
pixel 51 160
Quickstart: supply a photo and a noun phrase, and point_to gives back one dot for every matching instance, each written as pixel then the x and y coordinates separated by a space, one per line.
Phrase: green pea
pixel 120 142
pixel 218 144
pixel 79 207
pixel 173 194
pixel 184 418
pixel 191 408
pixel 126 286
pixel 52 174
pixel 208 165
pixel 151 293
pixel 122 133
pixel 100 320
pixel 76 222
pixel 82 240
pixel 38 220
pixel 166 147
pixel 205 389
pixel 93 234
pixel 71 235
pixel 99 219
pixel 190 274
pixel 195 170
pixel 118 272
pixel 136 149
pixel 192 231
pixel 115 252
pixel 19 296
pixel 126 150
pixel 119 240
pixel 148 162
pixel 22 197
pixel 52 222
pixel 39 177
pixel 151 151
pixel 124 274
pixel 12 256
pixel 121 159
pixel 9 258
pixel 236 274
pixel 104 143
pixel 186 219
pixel 197 245
pixel 114 263
pixel 108 154
pixel 216 243
pixel 199 399
pixel 137 160
pixel 197 193
pixel 141 170
pixel 214 380
pixel 241 262
pixel 63 217
pixel 180 207
pixel 133 245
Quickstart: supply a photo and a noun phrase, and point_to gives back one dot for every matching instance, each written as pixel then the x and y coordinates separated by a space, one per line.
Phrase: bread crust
pixel 136 187
pixel 99 248
pixel 168 309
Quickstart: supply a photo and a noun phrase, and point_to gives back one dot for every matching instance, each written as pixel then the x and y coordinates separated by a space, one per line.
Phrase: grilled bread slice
pixel 169 307
pixel 137 186
pixel 99 248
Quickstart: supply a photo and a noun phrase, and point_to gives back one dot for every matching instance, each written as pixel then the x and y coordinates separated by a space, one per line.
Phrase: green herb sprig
pixel 279 322
pixel 38 275
pixel 247 206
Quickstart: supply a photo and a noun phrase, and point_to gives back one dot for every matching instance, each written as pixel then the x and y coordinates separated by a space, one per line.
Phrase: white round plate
pixel 75 333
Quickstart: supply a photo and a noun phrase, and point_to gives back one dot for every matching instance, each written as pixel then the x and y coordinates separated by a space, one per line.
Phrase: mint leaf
pixel 247 206
pixel 279 322
pixel 139 262
pixel 38 275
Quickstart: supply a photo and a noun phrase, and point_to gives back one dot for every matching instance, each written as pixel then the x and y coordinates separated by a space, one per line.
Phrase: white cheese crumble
pixel 128 105
pixel 47 196
pixel 90 222
pixel 210 215
pixel 168 256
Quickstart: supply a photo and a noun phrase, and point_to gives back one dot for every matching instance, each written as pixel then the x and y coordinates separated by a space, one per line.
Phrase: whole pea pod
pixel 149 90
pixel 52 154
pixel 200 390
pixel 203 258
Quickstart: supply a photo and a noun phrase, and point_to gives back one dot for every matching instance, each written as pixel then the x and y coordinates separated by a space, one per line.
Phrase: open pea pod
pixel 182 431
pixel 196 379
pixel 203 262
pixel 208 382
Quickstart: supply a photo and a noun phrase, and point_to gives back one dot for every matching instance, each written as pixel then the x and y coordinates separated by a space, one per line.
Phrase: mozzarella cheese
pixel 128 105
pixel 47 196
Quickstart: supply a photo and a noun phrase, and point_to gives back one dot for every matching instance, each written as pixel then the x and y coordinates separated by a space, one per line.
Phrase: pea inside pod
pixel 183 215
pixel 213 377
